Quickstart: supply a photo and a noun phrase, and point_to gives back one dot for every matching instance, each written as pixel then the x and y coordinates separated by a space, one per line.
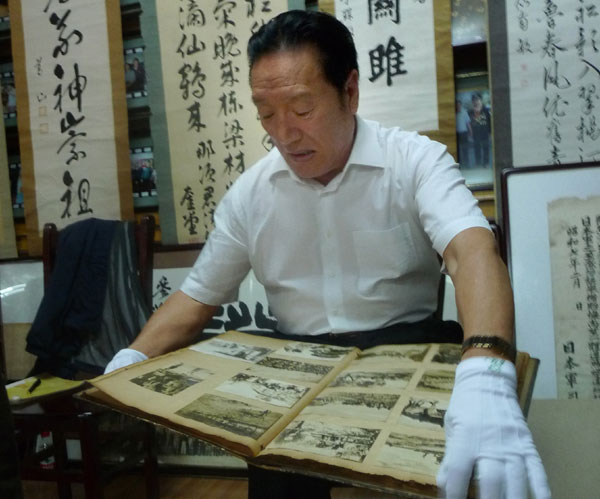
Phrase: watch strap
pixel 493 343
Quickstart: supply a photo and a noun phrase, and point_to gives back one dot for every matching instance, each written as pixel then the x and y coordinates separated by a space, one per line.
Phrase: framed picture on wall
pixel 474 135
pixel 9 94
pixel 551 245
pixel 135 73
pixel 143 174
pixel 16 186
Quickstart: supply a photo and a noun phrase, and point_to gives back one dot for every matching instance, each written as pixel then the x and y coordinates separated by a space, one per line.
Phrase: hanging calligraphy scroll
pixel 71 112
pixel 405 63
pixel 205 129
pixel 545 69
pixel 8 242
pixel 551 227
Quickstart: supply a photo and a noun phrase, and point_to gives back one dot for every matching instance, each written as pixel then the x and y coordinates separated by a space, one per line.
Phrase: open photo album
pixel 372 417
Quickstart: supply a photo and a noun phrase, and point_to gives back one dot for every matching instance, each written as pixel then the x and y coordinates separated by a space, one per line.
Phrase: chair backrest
pixel 144 238
pixel 97 294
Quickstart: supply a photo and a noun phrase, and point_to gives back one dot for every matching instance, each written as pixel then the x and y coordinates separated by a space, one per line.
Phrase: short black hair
pixel 296 29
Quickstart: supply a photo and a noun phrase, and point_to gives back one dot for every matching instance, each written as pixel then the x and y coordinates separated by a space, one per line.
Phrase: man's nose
pixel 287 130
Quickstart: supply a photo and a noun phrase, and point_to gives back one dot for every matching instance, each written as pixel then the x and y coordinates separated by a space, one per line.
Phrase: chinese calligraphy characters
pixel 574 226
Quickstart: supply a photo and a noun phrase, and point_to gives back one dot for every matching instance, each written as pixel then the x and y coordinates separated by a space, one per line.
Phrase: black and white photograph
pixel 180 449
pixel 271 391
pixel 231 350
pixel 331 440
pixel 315 351
pixel 416 353
pixel 412 453
pixel 424 412
pixel 173 379
pixel 230 415
pixel 366 405
pixel 448 353
pixel 437 381
pixel 396 379
pixel 289 370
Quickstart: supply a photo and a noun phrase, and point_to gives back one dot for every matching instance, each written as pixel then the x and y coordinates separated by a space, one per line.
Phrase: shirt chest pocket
pixel 384 254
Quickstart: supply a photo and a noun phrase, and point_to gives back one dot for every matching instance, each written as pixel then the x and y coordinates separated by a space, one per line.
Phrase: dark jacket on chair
pixel 93 305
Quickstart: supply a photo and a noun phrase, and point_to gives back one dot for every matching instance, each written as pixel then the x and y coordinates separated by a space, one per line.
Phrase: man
pixel 481 127
pixel 342 222
pixel 463 134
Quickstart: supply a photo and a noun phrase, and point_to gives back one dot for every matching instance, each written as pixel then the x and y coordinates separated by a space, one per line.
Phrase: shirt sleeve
pixel 223 262
pixel 445 205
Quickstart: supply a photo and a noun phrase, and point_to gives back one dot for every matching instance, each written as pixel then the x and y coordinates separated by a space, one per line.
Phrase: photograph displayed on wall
pixel 474 135
pixel 143 174
pixel 551 246
pixel 16 188
pixel 135 73
pixel 9 94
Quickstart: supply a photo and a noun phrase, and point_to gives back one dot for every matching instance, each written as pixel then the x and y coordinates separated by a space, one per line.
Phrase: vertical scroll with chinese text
pixel 204 126
pixel 72 115
pixel 405 62
pixel 545 68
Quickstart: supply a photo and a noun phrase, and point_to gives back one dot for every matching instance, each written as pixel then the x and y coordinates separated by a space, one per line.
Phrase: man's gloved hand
pixel 486 430
pixel 123 358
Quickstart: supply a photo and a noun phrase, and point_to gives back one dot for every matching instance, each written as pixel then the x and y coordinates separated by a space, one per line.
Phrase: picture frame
pixel 143 173
pixel 526 194
pixel 9 94
pixel 136 77
pixel 474 135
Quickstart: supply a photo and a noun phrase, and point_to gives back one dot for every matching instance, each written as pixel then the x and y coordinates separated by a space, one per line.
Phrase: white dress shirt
pixel 354 255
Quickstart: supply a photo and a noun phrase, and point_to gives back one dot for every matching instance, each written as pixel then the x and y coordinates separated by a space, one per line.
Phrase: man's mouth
pixel 301 155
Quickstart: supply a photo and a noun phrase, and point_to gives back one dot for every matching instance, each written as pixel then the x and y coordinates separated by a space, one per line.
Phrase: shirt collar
pixel 366 151
pixel 367 148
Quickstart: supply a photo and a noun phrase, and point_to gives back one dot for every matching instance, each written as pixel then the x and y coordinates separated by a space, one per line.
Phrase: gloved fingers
pixel 454 476
pixel 515 478
pixel 124 357
pixel 538 481
pixel 490 477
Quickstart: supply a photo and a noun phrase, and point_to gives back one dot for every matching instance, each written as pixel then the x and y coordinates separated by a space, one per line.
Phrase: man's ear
pixel 351 90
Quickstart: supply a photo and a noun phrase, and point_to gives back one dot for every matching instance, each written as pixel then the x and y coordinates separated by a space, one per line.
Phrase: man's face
pixel 310 123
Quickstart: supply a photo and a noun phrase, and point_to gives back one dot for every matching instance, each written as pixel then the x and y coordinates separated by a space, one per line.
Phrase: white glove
pixel 123 358
pixel 485 428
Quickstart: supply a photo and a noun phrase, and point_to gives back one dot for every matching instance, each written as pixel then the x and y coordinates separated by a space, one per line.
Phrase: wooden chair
pixel 69 418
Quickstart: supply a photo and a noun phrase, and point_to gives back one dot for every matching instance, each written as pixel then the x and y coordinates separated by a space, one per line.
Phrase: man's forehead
pixel 293 92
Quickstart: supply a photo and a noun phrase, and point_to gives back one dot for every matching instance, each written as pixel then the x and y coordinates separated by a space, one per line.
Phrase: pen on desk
pixel 36 383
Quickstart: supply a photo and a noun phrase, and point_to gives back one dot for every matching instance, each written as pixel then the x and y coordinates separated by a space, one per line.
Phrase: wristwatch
pixel 493 343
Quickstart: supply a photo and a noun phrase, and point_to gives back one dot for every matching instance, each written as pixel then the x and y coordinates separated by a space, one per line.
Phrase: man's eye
pixel 303 112
pixel 266 116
